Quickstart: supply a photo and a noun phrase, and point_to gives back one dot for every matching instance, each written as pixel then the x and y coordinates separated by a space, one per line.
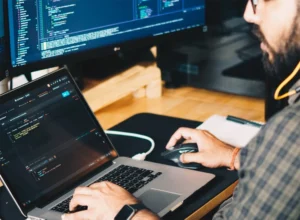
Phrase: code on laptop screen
pixel 48 137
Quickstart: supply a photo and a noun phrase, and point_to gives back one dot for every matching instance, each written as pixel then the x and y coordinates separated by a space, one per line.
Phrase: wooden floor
pixel 187 103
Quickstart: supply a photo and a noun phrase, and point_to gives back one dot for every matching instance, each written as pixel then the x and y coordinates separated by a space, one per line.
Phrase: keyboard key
pixel 132 190
pixel 158 174
pixel 130 178
pixel 78 209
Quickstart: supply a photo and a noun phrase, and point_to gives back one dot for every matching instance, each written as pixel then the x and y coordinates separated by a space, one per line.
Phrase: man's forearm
pixel 145 214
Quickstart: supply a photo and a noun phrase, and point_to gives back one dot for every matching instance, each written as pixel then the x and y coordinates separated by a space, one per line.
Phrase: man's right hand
pixel 212 153
pixel 104 200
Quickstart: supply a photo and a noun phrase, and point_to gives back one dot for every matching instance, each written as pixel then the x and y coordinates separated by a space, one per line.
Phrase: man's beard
pixel 285 61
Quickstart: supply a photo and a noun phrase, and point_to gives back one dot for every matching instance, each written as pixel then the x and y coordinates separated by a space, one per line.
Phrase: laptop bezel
pixel 62 190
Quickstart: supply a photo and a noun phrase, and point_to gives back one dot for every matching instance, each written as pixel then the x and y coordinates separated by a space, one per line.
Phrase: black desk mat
pixel 160 128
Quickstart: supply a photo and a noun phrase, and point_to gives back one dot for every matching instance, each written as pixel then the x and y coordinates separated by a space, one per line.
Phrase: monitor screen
pixel 1 21
pixel 42 30
pixel 1 39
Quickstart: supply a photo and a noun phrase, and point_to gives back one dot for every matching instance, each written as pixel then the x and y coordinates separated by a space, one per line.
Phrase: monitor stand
pixel 103 67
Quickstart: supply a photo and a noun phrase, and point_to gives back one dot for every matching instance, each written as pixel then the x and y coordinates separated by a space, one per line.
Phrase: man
pixel 269 167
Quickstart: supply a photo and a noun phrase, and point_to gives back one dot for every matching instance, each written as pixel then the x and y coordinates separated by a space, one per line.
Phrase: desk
pixel 160 128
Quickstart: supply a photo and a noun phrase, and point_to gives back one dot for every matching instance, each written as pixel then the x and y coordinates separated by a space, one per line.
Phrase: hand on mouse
pixel 104 201
pixel 212 153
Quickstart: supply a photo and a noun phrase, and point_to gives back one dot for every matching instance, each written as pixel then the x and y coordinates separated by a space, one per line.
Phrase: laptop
pixel 52 143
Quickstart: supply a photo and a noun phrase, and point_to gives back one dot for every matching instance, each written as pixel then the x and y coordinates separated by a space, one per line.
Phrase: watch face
pixel 126 213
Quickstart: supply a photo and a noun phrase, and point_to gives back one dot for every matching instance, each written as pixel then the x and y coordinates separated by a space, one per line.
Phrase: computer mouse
pixel 174 154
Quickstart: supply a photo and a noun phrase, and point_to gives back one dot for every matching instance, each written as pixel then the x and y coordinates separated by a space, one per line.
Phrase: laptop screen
pixel 49 138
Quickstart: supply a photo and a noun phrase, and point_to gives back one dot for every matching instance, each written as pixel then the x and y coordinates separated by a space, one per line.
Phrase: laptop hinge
pixel 34 218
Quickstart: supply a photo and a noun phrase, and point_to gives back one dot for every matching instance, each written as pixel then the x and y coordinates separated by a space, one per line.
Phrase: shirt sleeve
pixel 269 186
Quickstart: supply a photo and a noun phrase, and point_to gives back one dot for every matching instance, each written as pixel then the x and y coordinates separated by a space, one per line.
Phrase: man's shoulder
pixel 280 133
pixel 276 147
pixel 291 110
pixel 284 127
pixel 287 117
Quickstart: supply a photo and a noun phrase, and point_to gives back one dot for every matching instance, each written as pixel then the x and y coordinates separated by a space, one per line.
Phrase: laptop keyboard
pixel 128 177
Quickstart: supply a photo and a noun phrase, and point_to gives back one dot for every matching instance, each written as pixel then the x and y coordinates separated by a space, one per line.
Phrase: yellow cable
pixel 286 81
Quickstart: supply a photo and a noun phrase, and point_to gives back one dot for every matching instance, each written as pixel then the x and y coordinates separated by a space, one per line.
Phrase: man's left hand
pixel 104 200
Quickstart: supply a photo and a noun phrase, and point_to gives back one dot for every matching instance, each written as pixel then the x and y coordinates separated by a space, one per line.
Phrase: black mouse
pixel 174 153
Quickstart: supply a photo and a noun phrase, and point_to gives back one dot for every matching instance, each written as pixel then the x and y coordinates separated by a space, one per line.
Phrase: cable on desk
pixel 140 156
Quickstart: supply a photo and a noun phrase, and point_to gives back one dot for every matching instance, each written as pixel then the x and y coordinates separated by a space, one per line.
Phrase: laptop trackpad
pixel 157 200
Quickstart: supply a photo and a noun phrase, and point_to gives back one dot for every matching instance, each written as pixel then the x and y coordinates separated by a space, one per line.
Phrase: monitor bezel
pixel 3 62
pixel 59 191
pixel 97 52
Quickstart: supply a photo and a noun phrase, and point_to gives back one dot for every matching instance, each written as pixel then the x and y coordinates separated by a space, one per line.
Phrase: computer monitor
pixel 2 55
pixel 47 33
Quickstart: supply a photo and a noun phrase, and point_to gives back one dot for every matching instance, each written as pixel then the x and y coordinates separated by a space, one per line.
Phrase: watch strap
pixel 139 206
pixel 123 214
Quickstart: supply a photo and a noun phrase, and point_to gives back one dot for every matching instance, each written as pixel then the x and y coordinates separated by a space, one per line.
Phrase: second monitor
pixel 47 33
pixel 2 55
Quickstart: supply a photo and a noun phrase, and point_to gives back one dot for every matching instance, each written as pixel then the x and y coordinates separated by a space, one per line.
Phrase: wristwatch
pixel 128 211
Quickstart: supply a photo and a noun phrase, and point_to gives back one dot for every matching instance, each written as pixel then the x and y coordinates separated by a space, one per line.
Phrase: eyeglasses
pixel 254 5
